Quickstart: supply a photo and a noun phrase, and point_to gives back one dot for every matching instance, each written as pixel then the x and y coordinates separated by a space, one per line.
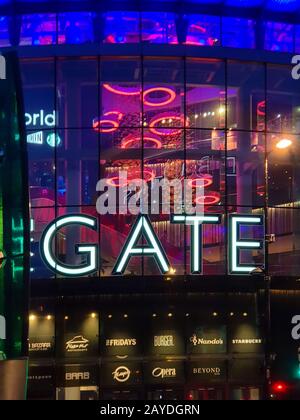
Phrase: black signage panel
pixel 246 371
pixel 41 381
pixel 164 372
pixel 245 338
pixel 208 340
pixel 120 374
pixel 80 338
pixel 206 371
pixel 77 375
pixel 165 342
pixel 41 338
pixel 120 339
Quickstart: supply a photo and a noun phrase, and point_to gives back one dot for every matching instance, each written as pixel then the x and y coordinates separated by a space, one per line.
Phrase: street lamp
pixel 284 144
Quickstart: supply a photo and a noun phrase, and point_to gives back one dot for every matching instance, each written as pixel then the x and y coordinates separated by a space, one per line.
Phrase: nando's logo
pixel 77 344
pixel 200 341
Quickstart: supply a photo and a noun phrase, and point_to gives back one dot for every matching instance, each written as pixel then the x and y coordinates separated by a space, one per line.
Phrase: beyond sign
pixel 238 243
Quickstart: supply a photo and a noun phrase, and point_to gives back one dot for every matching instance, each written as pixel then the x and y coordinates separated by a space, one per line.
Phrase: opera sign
pixel 143 228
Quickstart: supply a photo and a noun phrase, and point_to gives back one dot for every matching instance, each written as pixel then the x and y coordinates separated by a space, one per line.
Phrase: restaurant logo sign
pixel 209 371
pixel 200 341
pixel 121 342
pixel 77 344
pixel 121 374
pixel 246 341
pixel 163 341
pixel 77 376
pixel 37 347
pixel 164 373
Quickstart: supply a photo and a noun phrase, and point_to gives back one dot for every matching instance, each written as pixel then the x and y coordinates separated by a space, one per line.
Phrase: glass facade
pixel 124 27
pixel 88 118
pixel 132 90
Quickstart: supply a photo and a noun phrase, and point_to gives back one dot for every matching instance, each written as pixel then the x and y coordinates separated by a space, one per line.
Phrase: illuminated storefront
pixel 159 93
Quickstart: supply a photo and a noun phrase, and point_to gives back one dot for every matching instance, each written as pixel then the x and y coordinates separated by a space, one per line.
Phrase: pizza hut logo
pixel 78 343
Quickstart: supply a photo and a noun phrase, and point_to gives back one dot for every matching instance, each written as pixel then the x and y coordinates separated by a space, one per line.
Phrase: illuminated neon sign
pixel 91 250
pixel 241 230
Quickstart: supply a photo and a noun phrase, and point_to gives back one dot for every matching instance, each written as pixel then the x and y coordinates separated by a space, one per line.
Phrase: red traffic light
pixel 279 387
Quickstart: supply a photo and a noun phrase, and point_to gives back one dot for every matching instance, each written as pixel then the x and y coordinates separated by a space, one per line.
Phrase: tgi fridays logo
pixel 121 342
pixel 200 341
pixel 77 344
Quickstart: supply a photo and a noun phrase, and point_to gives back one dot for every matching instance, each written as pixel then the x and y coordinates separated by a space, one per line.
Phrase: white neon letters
pixel 196 223
pixel 240 229
pixel 90 250
pixel 142 227
pixel 236 243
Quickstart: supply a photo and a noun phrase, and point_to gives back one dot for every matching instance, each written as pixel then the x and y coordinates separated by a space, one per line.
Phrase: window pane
pixel 284 171
pixel 279 37
pixel 163 99
pixel 38 29
pixel 159 28
pixel 283 100
pixel 122 27
pixel 284 253
pixel 203 30
pixel 77 167
pixel 75 28
pixel 205 93
pixel 246 96
pixel 77 93
pixel 4 38
pixel 245 169
pixel 121 89
pixel 238 33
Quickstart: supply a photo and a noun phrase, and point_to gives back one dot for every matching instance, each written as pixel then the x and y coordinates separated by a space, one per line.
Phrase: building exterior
pixel 162 89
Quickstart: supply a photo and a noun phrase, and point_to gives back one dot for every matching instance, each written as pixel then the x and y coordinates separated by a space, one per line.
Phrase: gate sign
pixel 238 242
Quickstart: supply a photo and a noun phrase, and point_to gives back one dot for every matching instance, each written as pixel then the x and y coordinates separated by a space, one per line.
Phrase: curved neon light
pixel 118 90
pixel 115 180
pixel 157 144
pixel 167 131
pixel 209 199
pixel 206 179
pixel 97 125
pixel 117 113
pixel 112 124
pixel 168 91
